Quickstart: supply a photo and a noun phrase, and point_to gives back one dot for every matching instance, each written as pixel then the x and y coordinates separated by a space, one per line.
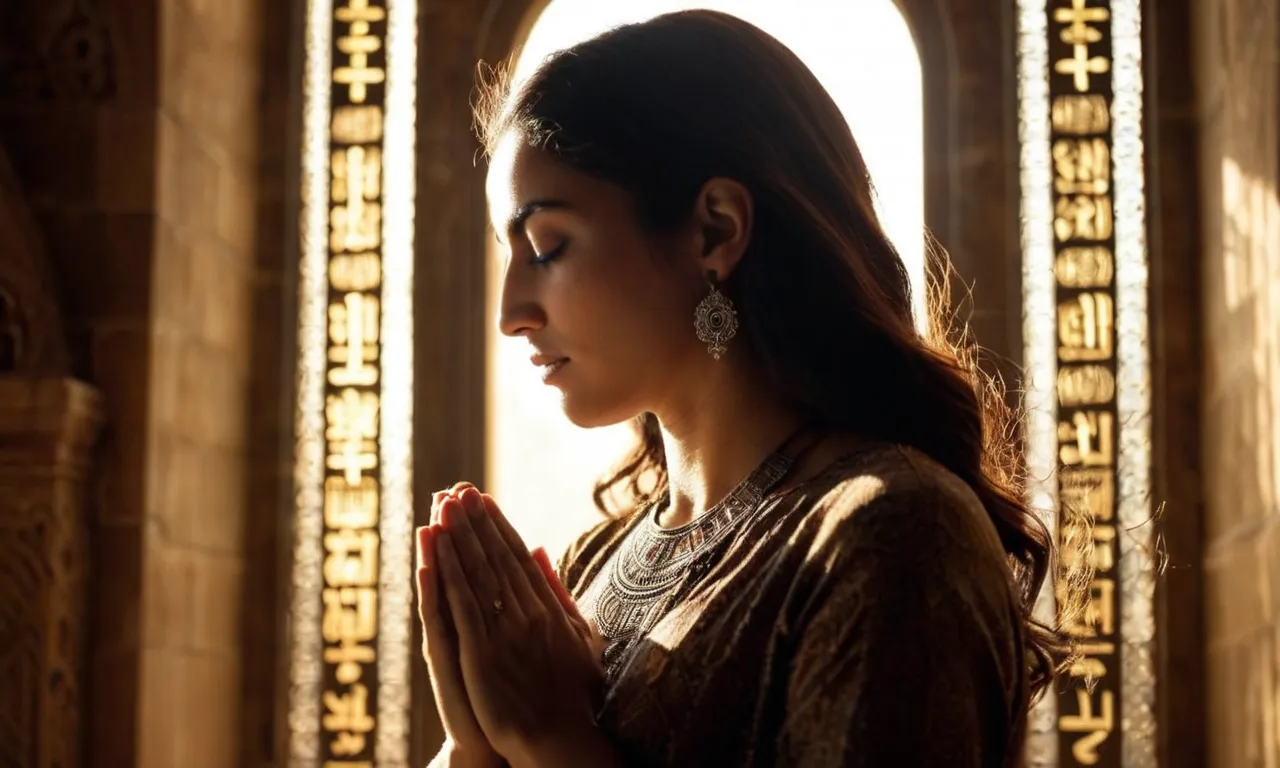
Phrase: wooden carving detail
pixel 21 574
pixel 29 633
pixel 46 430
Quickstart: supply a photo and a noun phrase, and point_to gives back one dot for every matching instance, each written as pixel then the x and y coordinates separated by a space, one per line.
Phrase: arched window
pixel 542 467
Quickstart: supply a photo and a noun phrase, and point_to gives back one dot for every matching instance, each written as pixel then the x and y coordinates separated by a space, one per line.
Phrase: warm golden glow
pixel 350 615
pixel 1085 332
pixel 1134 514
pixel 1038 321
pixel 877 87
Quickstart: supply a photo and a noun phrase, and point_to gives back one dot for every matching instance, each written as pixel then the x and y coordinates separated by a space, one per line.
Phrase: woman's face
pixel 606 307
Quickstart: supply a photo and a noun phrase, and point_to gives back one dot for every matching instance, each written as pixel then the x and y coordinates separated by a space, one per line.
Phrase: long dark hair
pixel 824 301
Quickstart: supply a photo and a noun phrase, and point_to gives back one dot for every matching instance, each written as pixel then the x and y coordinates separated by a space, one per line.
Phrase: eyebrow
pixel 517 220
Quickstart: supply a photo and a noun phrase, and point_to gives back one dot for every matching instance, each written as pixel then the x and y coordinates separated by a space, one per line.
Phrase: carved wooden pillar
pixel 47 428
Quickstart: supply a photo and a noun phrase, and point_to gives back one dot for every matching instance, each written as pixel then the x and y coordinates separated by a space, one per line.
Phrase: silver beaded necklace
pixel 655 567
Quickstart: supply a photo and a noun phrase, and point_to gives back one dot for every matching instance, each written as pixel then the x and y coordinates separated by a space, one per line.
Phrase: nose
pixel 519 312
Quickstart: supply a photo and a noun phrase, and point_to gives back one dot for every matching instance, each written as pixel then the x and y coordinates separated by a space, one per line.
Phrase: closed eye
pixel 550 256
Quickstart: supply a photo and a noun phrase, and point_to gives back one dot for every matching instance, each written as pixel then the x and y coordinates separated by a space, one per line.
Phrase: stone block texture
pixel 1237 65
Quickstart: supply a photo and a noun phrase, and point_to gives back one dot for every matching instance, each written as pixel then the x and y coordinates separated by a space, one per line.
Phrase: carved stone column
pixel 47 428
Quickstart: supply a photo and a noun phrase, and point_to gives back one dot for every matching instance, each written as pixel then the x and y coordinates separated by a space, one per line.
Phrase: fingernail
pixel 449 512
pixel 436 498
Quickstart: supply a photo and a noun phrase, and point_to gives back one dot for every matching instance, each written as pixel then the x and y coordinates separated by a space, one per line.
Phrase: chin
pixel 593 412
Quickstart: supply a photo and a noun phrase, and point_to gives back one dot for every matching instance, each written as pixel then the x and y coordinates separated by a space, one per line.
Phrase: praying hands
pixel 515 669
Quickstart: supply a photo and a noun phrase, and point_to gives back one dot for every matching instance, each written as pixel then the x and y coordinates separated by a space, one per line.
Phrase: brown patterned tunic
pixel 866 617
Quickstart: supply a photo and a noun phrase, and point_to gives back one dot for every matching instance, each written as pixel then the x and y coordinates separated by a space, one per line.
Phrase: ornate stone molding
pixel 47 430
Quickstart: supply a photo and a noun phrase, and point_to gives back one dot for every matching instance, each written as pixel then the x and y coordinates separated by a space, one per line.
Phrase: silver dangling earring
pixel 715 319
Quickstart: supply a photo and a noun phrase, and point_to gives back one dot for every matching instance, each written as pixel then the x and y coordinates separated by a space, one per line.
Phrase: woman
pixel 822 556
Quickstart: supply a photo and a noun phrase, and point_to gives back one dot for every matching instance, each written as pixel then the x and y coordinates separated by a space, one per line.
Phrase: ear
pixel 723 215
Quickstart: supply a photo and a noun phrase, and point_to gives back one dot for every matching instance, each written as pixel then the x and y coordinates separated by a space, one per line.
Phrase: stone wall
pixel 201 298
pixel 133 126
pixel 1237 53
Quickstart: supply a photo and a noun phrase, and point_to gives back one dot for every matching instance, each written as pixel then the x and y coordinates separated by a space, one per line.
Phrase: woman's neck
pixel 717 435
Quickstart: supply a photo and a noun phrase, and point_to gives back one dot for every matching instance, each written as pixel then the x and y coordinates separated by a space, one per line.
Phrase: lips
pixel 548 365
pixel 541 361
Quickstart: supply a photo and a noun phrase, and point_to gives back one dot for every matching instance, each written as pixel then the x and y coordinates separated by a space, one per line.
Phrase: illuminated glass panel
pixel 1088 373
pixel 351 613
